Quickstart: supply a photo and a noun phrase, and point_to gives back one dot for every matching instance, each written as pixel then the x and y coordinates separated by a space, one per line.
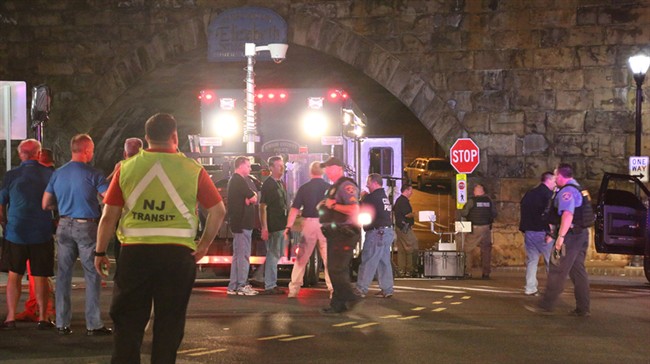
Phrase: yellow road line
pixel 449 296
pixel 465 297
pixel 345 324
pixel 366 325
pixel 456 303
pixel 390 316
pixel 297 338
pixel 408 317
pixel 207 352
pixel 418 308
pixel 439 309
pixel 190 350
pixel 436 302
pixel 273 337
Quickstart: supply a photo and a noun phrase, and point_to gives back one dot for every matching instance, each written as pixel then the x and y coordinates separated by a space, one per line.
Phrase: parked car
pixel 435 172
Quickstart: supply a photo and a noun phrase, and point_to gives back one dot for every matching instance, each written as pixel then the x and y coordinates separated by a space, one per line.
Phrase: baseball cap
pixel 333 161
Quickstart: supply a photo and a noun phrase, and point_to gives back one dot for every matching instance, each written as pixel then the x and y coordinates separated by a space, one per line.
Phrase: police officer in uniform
pixel 481 211
pixel 575 240
pixel 338 216
pixel 375 257
pixel 154 196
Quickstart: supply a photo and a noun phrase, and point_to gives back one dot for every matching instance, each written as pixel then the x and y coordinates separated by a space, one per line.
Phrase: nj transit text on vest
pixel 151 205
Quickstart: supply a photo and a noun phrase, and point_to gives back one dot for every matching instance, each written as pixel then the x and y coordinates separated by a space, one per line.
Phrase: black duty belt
pixel 381 227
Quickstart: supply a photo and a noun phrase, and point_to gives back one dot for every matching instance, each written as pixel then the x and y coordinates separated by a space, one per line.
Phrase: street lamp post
pixel 639 65
pixel 278 52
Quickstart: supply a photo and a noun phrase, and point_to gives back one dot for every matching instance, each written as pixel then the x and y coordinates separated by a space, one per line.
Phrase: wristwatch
pixel 99 254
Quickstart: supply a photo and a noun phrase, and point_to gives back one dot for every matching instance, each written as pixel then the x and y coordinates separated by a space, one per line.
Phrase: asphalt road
pixel 443 321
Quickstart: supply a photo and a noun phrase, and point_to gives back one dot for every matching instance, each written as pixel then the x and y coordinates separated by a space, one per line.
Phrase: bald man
pixel 481 211
pixel 28 231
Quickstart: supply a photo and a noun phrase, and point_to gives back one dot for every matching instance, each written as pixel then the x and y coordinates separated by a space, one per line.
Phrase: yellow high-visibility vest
pixel 159 192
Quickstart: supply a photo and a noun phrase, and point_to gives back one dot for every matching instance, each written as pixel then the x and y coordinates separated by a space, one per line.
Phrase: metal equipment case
pixel 439 264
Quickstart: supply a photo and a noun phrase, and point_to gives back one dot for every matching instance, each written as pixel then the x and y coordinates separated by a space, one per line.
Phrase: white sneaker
pixel 247 291
pixel 231 292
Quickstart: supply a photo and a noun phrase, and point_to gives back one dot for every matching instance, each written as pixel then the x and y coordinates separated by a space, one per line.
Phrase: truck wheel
pixel 646 267
pixel 311 270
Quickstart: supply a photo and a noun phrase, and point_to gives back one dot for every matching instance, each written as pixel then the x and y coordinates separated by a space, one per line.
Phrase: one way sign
pixel 639 166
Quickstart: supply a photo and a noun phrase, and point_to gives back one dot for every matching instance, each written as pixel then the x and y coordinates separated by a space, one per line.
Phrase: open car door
pixel 622 217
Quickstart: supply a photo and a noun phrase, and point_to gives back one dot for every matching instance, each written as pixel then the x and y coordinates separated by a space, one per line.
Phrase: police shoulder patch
pixel 566 196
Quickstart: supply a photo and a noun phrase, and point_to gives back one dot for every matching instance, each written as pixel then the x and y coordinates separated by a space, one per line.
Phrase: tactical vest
pixel 583 215
pixel 481 213
pixel 328 216
pixel 159 192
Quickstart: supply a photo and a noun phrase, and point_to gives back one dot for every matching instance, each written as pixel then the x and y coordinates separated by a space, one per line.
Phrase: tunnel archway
pixel 174 86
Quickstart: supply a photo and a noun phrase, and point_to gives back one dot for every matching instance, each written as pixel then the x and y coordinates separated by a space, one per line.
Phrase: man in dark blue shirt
pixel 28 231
pixel 307 198
pixel 535 229
pixel 375 256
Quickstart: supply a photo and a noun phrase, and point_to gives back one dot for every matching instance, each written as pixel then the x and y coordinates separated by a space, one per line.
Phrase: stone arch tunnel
pixel 533 83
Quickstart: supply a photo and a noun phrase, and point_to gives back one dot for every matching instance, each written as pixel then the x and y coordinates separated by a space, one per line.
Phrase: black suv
pixel 622 217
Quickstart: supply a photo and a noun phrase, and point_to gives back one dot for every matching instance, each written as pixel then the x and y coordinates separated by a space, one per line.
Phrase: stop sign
pixel 464 155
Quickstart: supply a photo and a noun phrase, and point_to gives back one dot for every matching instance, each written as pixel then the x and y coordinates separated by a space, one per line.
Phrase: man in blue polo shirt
pixel 74 188
pixel 28 231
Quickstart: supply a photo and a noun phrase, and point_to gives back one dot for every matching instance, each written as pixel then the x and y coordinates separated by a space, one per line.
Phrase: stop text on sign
pixel 464 156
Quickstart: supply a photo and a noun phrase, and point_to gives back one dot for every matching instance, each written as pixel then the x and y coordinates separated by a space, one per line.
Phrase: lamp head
pixel 639 64
pixel 278 51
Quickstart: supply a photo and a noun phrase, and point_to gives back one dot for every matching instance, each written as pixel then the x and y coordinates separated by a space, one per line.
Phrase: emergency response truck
pixel 302 125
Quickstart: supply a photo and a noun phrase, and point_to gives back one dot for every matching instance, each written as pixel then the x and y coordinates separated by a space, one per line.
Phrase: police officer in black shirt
pixel 481 212
pixel 338 216
pixel 406 241
pixel 375 257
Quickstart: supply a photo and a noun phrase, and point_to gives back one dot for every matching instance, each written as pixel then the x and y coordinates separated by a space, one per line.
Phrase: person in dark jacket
pixel 536 228
pixel 406 241
pixel 481 212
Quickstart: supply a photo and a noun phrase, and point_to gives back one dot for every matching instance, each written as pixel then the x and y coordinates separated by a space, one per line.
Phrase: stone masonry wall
pixel 533 82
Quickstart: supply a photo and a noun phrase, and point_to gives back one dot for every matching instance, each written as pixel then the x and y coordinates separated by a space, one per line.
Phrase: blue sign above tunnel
pixel 230 30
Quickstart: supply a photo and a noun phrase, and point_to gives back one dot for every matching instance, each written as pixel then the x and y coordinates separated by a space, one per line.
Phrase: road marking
pixel 441 290
pixel 273 337
pixel 408 317
pixel 190 350
pixel 390 316
pixel 465 297
pixel 439 309
pixel 418 308
pixel 448 296
pixel 297 338
pixel 437 302
pixel 478 289
pixel 456 303
pixel 366 325
pixel 208 352
pixel 345 324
